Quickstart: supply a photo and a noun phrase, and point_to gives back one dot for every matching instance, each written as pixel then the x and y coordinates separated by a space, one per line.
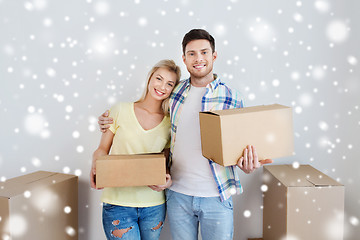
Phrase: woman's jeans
pixel 132 223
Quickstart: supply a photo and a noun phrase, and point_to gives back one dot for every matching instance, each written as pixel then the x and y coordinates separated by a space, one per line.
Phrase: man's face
pixel 199 58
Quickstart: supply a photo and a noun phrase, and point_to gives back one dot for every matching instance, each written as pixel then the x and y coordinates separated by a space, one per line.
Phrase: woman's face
pixel 161 84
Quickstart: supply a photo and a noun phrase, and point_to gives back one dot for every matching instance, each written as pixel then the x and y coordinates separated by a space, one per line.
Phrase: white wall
pixel 62 63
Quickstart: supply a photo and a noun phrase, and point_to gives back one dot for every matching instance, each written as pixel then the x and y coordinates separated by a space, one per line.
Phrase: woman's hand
pixel 160 188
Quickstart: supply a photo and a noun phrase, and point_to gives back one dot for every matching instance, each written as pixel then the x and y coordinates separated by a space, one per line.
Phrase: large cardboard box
pixel 225 133
pixel 301 204
pixel 130 170
pixel 41 205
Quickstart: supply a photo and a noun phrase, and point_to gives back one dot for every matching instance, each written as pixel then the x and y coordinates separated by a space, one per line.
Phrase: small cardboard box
pixel 302 203
pixel 41 205
pixel 225 133
pixel 130 170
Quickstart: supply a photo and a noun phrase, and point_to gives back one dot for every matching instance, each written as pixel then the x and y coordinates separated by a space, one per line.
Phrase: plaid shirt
pixel 218 96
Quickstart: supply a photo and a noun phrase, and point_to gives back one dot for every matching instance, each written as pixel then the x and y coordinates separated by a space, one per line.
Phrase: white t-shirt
pixel 190 171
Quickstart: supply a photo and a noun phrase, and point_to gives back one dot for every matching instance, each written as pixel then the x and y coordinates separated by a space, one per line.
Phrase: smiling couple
pixel 198 191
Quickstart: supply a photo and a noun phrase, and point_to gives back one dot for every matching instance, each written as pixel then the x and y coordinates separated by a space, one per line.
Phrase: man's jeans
pixel 186 212
pixel 131 223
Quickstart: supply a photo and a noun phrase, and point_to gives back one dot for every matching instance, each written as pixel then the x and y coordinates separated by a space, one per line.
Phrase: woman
pixel 140 127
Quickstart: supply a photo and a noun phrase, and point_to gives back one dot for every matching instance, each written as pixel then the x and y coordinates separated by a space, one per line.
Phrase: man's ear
pixel 214 55
pixel 183 57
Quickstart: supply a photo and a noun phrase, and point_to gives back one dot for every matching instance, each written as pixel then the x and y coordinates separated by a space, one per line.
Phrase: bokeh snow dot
pixel 36 162
pixel 247 213
pixel 322 6
pixel 70 231
pixel 101 7
pixel 264 188
pixel 142 22
pixel 34 123
pixel 262 33
pixel 318 73
pixel 296 165
pixel 79 149
pixel 354 221
pixel 27 194
pixel 17 225
pixel 78 172
pixel 75 134
pixel 323 126
pixel 67 209
pixel 66 170
pixel 276 82
pixel 352 60
pixel 337 31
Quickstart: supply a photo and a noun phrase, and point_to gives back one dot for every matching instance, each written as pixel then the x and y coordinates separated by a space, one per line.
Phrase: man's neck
pixel 202 82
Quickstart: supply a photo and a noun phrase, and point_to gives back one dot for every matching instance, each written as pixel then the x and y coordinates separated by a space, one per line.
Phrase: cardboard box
pixel 130 170
pixel 225 133
pixel 302 203
pixel 41 205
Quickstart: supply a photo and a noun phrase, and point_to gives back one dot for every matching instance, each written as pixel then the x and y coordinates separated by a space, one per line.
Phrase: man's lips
pixel 199 66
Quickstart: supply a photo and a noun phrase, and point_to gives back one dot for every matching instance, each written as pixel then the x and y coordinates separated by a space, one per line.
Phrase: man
pixel 201 190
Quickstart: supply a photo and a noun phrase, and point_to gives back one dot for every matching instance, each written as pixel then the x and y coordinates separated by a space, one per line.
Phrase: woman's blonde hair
pixel 172 67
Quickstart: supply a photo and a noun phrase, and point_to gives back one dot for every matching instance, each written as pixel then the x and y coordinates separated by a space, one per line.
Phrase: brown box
pixel 41 205
pixel 225 133
pixel 130 170
pixel 302 203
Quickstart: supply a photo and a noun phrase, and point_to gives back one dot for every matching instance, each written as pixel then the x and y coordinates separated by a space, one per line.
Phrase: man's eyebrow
pixel 204 49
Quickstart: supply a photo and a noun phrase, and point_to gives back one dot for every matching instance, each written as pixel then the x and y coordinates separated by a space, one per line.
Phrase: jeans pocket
pixel 108 206
pixel 227 203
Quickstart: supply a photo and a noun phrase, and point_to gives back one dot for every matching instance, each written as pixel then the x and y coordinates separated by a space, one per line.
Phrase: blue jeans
pixel 131 223
pixel 185 213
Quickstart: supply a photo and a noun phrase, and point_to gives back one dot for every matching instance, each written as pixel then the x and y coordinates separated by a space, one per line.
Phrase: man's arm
pixel 104 121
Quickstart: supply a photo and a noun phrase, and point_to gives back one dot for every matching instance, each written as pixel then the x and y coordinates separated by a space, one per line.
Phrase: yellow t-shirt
pixel 131 138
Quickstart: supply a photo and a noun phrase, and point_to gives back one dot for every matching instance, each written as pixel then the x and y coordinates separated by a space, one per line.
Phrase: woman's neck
pixel 151 105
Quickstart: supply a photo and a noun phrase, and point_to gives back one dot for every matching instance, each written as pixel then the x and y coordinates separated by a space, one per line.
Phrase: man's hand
pixel 104 120
pixel 160 188
pixel 249 162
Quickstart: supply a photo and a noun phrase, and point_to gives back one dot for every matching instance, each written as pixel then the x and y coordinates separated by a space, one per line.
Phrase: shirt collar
pixel 213 85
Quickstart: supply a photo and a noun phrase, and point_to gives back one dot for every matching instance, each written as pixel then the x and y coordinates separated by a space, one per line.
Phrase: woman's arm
pixel 103 149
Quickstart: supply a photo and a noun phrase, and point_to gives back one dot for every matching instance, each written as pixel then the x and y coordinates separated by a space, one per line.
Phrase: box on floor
pixel 302 203
pixel 41 205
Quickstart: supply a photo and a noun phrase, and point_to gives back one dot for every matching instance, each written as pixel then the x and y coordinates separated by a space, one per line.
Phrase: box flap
pixel 246 109
pixel 130 156
pixel 30 182
pixel 304 176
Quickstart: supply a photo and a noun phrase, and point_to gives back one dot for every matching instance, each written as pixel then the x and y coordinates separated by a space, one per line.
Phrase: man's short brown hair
pixel 196 34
